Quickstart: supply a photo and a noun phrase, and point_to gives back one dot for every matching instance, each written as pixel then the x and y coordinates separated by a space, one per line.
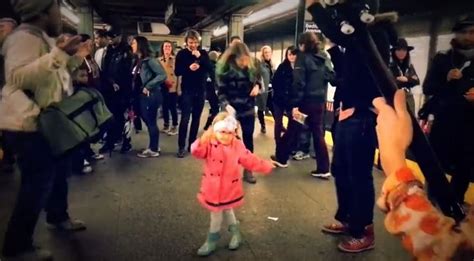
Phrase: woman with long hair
pixel 282 82
pixel 238 84
pixel 404 71
pixel 307 100
pixel 170 90
pixel 148 75
pixel 264 98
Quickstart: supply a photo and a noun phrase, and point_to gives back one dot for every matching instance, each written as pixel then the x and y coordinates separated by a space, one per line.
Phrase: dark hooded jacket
pixel 310 80
pixel 282 84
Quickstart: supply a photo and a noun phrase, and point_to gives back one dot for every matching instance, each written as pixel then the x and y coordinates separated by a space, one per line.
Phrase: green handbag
pixel 73 121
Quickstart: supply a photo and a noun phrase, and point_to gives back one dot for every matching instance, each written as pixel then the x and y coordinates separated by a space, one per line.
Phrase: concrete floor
pixel 146 209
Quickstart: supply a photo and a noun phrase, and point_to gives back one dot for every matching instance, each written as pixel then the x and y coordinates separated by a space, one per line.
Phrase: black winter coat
pixel 453 126
pixel 407 70
pixel 310 80
pixel 192 83
pixel 282 83
pixel 117 68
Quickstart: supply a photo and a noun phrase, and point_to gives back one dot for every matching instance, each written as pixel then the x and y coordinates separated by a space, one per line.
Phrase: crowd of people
pixel 43 66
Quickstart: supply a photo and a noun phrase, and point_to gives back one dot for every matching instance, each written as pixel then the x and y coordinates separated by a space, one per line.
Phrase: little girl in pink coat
pixel 221 187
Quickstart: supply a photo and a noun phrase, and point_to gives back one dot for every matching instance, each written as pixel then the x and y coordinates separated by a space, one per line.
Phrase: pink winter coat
pixel 221 185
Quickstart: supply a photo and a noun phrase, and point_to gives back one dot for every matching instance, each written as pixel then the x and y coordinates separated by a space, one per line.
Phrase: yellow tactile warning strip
pixel 411 164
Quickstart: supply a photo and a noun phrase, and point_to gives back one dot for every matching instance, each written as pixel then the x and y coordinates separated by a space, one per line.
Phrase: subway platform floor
pixel 146 209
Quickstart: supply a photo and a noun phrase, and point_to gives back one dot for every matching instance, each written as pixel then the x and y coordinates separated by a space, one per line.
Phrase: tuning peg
pixel 347 28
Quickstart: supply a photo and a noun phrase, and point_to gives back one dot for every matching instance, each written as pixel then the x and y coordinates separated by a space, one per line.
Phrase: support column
pixel 86 23
pixel 206 40
pixel 236 27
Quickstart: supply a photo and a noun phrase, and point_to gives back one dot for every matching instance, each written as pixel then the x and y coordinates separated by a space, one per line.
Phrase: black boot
pixel 261 119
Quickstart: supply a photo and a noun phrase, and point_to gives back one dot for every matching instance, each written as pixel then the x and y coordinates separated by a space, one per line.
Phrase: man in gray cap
pixel 37 73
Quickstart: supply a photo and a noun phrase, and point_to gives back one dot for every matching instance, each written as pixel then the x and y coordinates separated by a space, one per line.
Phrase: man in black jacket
pixel 355 134
pixel 116 87
pixel 193 65
pixel 450 81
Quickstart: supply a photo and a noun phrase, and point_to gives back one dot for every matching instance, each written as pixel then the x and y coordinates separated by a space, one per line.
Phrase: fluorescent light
pixel 70 15
pixel 220 30
pixel 274 10
pixel 277 9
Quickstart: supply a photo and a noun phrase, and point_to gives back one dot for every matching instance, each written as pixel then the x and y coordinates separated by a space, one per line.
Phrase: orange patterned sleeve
pixel 425 232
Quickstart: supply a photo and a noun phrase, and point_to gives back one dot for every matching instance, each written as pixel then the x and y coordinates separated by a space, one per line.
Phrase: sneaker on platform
pixel 173 131
pixel 98 156
pixel 148 154
pixel 335 228
pixel 278 163
pixel 166 129
pixel 301 156
pixel 87 168
pixel 69 225
pixel 357 245
pixel 320 175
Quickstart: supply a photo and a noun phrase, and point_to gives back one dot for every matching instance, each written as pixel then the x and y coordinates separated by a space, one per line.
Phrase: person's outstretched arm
pixel 426 233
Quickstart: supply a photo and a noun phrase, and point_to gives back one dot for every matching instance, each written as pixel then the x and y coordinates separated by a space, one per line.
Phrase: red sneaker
pixel 357 245
pixel 335 228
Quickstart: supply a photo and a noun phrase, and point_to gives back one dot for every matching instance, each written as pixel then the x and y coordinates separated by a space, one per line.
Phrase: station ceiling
pixel 201 14
pixel 188 13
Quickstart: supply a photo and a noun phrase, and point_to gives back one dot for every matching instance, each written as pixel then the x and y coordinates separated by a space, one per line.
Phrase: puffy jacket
pixel 234 87
pixel 310 79
pixel 221 185
pixel 282 84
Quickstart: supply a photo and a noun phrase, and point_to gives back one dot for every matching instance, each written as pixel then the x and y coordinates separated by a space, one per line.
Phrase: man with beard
pixel 37 73
pixel 117 88
pixel 450 82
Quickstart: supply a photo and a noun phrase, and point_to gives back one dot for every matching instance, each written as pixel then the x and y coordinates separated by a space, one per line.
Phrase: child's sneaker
pixel 210 245
pixel 357 245
pixel 148 154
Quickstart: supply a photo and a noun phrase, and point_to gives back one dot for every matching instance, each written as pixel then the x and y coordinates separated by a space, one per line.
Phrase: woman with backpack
pixel 148 75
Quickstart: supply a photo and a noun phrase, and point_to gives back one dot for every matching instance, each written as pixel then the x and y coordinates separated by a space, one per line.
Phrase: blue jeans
pixel 352 169
pixel 43 186
pixel 149 109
